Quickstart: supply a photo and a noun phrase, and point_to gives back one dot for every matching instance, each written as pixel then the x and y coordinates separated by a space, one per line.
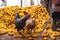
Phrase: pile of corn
pixel 7 19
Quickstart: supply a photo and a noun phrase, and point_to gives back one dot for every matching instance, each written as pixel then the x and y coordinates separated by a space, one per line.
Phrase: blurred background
pixel 52 6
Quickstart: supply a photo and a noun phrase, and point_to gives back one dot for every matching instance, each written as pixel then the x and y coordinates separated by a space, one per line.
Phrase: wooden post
pixel 21 3
pixel 32 3
pixel 3 3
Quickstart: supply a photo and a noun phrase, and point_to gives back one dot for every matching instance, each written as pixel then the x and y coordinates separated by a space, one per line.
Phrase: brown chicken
pixel 30 23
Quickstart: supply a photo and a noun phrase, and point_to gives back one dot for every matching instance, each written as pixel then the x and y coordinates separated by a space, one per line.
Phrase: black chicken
pixel 20 23
pixel 56 20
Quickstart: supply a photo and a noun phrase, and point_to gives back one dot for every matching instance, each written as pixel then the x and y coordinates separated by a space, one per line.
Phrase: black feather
pixel 56 15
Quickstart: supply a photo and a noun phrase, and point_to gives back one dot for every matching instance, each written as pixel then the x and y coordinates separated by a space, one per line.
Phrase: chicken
pixel 30 23
pixel 58 23
pixel 56 20
pixel 20 22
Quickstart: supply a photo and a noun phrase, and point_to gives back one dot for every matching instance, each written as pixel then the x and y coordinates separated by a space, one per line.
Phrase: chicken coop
pixel 29 20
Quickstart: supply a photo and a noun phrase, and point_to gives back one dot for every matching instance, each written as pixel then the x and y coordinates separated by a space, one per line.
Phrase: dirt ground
pixel 6 37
